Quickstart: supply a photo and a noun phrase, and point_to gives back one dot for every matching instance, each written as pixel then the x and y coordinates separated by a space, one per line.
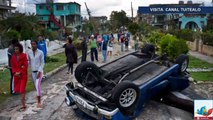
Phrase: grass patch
pixel 55 61
pixel 4 84
pixel 197 63
pixel 202 76
pixel 51 65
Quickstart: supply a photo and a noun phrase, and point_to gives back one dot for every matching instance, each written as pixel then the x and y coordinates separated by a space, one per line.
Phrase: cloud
pixel 104 7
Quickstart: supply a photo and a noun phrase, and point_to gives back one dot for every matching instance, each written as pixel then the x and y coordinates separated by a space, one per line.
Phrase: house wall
pixel 197 19
pixel 70 14
pixel 44 11
pixel 69 9
pixel 198 45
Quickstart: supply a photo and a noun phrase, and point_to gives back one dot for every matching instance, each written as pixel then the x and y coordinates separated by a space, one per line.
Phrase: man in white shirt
pixel 36 61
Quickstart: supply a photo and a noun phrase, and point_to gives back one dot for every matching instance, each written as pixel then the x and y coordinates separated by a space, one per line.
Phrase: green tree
pixel 106 26
pixel 26 25
pixel 118 19
pixel 133 28
pixel 88 28
pixel 146 29
pixel 13 34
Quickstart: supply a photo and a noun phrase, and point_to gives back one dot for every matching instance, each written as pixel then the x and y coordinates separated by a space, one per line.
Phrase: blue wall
pixel 41 11
pixel 44 18
pixel 69 9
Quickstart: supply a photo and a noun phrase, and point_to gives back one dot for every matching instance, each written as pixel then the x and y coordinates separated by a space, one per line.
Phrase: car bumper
pixel 86 107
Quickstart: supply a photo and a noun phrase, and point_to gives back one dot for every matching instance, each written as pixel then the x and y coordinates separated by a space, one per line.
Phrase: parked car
pixel 119 89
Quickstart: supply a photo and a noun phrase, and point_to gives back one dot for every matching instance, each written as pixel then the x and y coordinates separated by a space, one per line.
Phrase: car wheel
pixel 183 62
pixel 148 49
pixel 82 70
pixel 125 95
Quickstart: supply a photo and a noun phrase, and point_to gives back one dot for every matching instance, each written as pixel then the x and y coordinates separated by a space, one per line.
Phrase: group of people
pixel 104 43
pixel 36 58
pixel 98 43
pixel 18 63
pixel 123 39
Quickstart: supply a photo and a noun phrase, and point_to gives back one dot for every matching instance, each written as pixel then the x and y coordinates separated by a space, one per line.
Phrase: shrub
pixel 77 44
pixel 173 46
pixel 51 59
pixel 53 35
pixel 207 38
pixel 155 38
pixel 184 34
pixel 208 28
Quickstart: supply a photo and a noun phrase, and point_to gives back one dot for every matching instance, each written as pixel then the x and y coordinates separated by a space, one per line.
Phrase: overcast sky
pixel 101 7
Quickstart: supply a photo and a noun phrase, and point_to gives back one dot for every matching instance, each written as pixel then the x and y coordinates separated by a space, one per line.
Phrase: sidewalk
pixel 203 57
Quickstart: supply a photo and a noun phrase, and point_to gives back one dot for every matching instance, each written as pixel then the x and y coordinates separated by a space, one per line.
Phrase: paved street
pixel 55 108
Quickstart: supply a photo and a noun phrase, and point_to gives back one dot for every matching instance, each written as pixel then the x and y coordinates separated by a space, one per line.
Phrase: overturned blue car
pixel 119 89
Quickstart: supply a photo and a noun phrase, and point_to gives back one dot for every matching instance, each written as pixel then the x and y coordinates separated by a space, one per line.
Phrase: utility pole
pixel 132 11
pixel 90 16
pixel 88 11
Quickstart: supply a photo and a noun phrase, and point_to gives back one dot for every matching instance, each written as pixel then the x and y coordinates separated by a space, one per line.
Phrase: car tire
pixel 183 62
pixel 148 49
pixel 83 68
pixel 126 91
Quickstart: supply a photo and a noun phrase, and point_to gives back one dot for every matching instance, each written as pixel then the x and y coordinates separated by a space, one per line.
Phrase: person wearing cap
pixel 93 49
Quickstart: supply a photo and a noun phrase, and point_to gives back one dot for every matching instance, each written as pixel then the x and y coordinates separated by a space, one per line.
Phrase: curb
pixel 60 68
pixel 202 82
pixel 199 82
